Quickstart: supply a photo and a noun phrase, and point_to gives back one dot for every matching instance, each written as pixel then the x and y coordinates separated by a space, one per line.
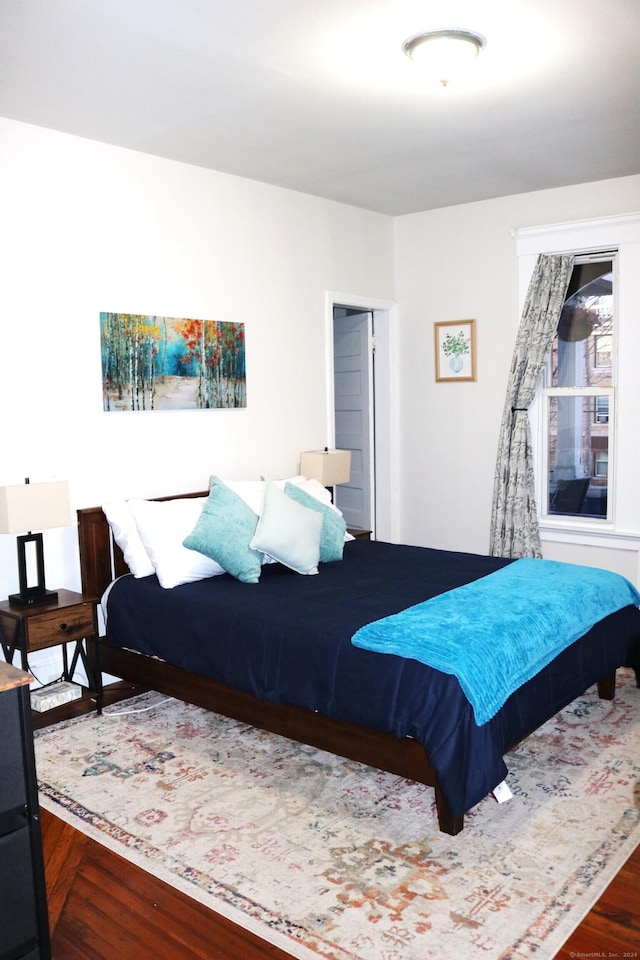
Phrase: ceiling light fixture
pixel 444 52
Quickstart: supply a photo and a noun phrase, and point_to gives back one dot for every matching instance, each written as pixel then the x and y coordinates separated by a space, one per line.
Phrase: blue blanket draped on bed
pixel 498 632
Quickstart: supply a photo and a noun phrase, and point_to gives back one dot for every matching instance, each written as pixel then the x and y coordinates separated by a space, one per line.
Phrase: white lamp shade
pixel 328 467
pixel 34 506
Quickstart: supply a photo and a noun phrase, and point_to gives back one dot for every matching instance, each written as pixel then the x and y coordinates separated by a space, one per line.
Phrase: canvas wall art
pixel 164 363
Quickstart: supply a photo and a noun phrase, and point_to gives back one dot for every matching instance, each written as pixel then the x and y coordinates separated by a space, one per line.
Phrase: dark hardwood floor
pixel 102 907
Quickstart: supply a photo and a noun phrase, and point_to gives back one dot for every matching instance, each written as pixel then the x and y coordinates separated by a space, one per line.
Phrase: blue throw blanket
pixel 496 633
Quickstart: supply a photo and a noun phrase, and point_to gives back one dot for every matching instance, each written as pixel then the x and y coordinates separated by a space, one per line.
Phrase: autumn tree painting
pixel 162 363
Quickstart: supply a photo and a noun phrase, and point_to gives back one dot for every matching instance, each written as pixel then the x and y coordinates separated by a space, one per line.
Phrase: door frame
pixel 384 406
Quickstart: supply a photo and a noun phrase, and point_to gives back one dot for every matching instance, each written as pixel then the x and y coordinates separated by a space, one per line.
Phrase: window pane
pixel 578 456
pixel 581 351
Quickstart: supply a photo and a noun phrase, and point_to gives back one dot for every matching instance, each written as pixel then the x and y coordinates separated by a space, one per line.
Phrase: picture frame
pixel 154 363
pixel 455 350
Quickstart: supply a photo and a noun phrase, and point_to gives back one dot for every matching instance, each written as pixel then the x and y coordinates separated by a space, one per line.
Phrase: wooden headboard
pixel 101 559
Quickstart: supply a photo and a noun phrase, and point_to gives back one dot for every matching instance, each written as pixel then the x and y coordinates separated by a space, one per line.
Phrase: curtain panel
pixel 514 521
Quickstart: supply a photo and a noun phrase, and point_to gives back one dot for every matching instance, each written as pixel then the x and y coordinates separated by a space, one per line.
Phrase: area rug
pixel 326 858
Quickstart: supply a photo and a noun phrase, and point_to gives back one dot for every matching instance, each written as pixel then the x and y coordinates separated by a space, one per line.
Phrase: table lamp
pixel 328 467
pixel 25 507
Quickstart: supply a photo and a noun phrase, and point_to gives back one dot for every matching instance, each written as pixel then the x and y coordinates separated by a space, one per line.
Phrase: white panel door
pixel 352 370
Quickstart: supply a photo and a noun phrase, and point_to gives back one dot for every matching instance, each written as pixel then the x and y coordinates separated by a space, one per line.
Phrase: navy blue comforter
pixel 288 639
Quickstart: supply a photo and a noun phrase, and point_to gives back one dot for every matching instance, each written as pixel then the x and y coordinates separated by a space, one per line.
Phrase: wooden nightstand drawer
pixel 59 626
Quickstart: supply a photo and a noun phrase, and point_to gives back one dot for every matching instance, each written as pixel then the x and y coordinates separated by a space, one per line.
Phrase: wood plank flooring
pixel 104 908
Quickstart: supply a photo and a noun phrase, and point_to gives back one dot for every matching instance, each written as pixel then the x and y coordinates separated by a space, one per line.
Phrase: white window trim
pixel 621 234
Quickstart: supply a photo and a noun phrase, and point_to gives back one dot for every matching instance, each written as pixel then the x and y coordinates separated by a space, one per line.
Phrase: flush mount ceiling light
pixel 444 52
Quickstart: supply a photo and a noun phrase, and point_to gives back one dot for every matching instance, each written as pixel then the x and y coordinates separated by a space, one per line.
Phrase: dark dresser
pixel 24 923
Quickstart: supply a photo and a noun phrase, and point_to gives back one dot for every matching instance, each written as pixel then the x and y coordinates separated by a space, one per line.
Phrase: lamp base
pixel 37 593
pixel 31 599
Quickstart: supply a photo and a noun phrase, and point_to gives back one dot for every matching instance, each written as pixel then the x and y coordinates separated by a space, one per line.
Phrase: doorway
pixel 354 411
pixel 362 395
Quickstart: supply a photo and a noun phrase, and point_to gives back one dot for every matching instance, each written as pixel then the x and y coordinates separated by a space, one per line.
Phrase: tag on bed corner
pixel 502 792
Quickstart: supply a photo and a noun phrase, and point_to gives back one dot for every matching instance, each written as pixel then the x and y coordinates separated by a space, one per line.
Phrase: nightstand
pixel 359 534
pixel 71 620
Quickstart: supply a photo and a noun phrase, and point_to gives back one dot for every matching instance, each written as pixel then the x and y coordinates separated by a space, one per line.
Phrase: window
pixel 601 463
pixel 602 410
pixel 578 395
pixel 610 459
pixel 603 349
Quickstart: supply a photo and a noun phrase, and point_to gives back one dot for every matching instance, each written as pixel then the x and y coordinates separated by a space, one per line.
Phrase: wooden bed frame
pixel 101 560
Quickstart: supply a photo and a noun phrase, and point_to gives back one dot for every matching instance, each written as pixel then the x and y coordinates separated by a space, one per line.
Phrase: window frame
pixel 546 392
pixel 606 235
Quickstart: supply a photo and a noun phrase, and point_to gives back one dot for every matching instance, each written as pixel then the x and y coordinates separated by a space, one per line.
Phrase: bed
pixel 278 655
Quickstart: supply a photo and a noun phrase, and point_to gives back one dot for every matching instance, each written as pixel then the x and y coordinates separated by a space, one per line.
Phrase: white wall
pixel 86 228
pixel 452 264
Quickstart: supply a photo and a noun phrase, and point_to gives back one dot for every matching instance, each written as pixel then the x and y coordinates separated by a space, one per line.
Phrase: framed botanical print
pixel 455 349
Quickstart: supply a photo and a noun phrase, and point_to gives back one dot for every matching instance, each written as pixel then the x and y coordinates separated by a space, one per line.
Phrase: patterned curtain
pixel 514 522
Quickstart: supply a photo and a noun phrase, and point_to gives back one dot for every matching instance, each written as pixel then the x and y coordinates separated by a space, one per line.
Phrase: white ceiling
pixel 317 96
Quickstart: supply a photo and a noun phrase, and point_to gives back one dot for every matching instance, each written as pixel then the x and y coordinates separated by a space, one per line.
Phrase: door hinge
pixel 372 344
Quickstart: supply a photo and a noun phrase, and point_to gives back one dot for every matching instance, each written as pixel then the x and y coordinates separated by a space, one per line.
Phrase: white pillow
pixel 251 491
pixel 315 489
pixel 125 533
pixel 162 526
pixel 288 532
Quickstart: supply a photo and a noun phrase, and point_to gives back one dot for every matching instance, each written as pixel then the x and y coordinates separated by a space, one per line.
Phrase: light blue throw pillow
pixel 224 533
pixel 333 524
pixel 288 532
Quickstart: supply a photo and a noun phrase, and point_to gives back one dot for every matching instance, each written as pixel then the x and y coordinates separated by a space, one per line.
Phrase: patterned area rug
pixel 330 859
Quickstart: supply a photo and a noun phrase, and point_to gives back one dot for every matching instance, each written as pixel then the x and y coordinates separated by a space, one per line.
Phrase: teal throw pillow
pixel 224 533
pixel 333 524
